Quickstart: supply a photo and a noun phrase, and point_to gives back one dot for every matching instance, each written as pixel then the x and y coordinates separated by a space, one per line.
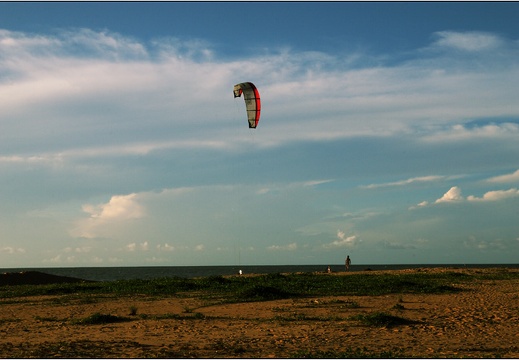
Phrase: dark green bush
pixel 98 318
pixel 382 319
pixel 261 292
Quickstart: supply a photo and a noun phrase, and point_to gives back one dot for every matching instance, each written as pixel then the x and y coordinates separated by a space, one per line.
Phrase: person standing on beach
pixel 347 263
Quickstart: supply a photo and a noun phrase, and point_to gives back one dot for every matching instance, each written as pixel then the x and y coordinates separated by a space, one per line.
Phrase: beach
pixel 479 321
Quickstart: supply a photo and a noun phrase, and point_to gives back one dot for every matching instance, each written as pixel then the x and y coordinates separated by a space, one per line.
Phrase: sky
pixel 389 132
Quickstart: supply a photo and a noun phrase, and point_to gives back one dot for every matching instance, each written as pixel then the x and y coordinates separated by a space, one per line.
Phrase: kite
pixel 252 101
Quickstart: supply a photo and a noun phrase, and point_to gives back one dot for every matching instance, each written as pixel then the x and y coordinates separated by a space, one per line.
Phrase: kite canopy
pixel 252 101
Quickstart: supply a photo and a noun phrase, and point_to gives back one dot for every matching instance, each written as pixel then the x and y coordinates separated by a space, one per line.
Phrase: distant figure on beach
pixel 240 272
pixel 348 263
pixel 329 270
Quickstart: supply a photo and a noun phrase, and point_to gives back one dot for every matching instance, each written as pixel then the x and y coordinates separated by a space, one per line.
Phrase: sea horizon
pixel 112 273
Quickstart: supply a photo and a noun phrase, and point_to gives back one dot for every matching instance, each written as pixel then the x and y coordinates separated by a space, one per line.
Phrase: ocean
pixel 151 272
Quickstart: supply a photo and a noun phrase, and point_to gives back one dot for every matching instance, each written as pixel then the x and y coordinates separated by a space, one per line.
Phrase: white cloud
pixel 508 178
pixel 85 84
pixel 399 245
pixel 119 208
pixel 293 185
pixel 52 159
pixel 419 205
pixel 263 191
pixel 165 247
pixel 460 132
pixel 419 179
pixel 453 195
pixel 496 195
pixel 12 250
pixel 66 43
pixel 134 246
pixel 83 249
pixel 59 259
pixel 289 247
pixel 486 245
pixel 342 241
pixel 470 41
pixel 316 182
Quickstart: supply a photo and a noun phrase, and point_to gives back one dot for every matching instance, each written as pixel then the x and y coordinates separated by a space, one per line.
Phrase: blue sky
pixel 389 132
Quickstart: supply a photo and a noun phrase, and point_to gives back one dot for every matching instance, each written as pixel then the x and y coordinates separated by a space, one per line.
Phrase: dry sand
pixel 482 321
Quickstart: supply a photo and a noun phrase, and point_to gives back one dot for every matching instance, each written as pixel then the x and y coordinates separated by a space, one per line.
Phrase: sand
pixel 480 322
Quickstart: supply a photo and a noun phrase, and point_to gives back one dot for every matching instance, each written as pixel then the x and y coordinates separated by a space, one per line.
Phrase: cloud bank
pixel 100 94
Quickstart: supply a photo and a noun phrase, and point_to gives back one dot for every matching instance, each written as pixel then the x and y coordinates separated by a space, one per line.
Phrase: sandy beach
pixel 480 321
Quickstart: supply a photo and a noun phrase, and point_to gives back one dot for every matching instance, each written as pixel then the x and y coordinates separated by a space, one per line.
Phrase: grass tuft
pixel 399 306
pixel 98 318
pixel 382 319
pixel 262 293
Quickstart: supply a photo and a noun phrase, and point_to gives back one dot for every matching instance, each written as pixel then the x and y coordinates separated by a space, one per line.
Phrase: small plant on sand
pixel 133 310
pixel 3 321
pixel 98 318
pixel 188 310
pixel 198 315
pixel 382 319
pixel 263 293
pixel 46 318
pixel 221 345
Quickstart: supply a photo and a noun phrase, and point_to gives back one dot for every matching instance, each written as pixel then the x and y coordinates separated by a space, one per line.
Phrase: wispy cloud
pixel 420 179
pixel 496 195
pixel 470 41
pixel 290 186
pixel 288 247
pixel 460 132
pixel 82 249
pixel 102 93
pixel 454 195
pixel 419 205
pixel 507 178
pixel 12 250
pixel 61 259
pixel 486 244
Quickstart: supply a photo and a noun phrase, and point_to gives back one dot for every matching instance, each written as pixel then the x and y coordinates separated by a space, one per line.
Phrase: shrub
pixel 133 310
pixel 98 318
pixel 382 319
pixel 261 292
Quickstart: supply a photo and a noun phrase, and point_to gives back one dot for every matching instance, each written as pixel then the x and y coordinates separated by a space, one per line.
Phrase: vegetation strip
pixel 265 287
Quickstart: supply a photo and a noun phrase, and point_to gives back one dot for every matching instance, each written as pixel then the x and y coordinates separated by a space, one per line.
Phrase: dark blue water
pixel 151 272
